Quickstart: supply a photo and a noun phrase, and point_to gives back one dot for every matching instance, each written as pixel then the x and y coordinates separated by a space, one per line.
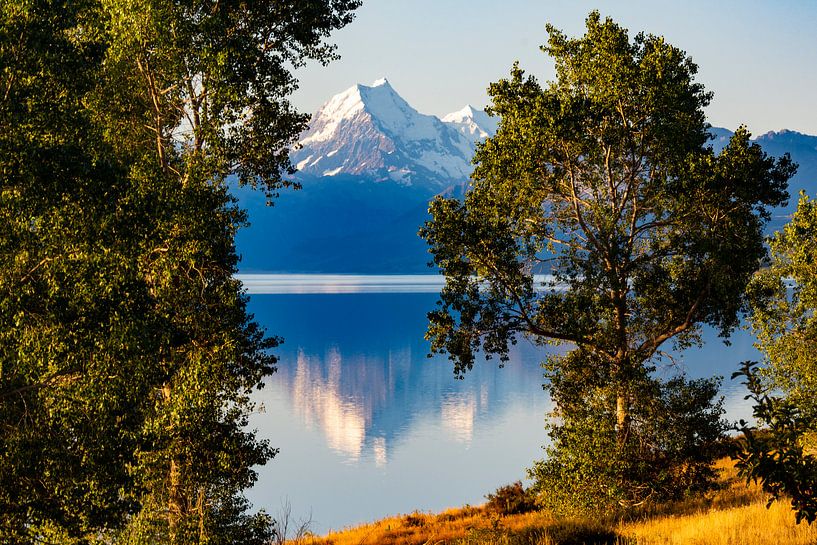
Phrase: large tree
pixel 197 91
pixel 126 352
pixel 602 179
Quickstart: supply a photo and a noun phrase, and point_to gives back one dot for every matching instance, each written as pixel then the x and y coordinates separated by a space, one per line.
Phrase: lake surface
pixel 369 426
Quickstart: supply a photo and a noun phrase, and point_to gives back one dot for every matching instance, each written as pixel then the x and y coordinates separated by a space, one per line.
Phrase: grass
pixel 734 515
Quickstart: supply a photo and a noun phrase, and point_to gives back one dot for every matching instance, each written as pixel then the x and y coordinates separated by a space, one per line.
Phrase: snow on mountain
pixel 473 123
pixel 372 131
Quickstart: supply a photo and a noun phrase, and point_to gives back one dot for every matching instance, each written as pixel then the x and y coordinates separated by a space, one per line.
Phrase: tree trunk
pixel 174 507
pixel 621 374
pixel 622 418
pixel 174 504
pixel 200 506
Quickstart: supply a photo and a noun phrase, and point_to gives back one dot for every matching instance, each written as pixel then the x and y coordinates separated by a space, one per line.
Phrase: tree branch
pixel 648 348
pixel 53 379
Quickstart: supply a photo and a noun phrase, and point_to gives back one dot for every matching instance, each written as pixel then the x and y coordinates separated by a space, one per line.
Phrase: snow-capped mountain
pixel 473 123
pixel 372 131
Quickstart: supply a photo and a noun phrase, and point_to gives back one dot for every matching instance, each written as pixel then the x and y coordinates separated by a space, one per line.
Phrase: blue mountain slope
pixel 803 151
pixel 369 164
pixel 338 224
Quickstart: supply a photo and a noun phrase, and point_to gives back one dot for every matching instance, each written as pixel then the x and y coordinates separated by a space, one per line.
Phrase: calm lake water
pixel 369 426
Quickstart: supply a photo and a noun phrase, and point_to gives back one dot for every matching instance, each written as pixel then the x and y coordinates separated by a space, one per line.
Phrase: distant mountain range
pixel 368 165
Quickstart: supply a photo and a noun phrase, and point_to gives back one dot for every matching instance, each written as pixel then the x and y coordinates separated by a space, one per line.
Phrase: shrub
pixel 570 532
pixel 414 520
pixel 511 499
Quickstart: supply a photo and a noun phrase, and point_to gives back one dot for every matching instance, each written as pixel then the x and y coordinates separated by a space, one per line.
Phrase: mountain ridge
pixel 367 170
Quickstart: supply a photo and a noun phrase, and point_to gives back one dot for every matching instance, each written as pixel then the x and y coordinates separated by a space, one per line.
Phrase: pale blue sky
pixel 759 57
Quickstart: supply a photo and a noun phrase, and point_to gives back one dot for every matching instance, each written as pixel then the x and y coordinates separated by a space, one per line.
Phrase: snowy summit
pixel 373 131
pixel 472 122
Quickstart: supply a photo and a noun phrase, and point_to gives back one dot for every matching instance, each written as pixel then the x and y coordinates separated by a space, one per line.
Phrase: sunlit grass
pixel 735 515
pixel 445 527
pixel 750 524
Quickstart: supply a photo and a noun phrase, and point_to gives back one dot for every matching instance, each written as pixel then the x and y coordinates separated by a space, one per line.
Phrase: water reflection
pixel 369 426
pixel 318 401
pixel 364 397
pixel 347 283
pixel 457 416
pixel 340 283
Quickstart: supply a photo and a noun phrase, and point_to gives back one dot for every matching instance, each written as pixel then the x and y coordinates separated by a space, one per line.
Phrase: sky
pixel 758 57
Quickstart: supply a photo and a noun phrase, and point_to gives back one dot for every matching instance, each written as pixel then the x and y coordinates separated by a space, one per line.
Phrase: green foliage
pixel 610 188
pixel 785 299
pixel 126 352
pixel 777 455
pixel 74 325
pixel 602 179
pixel 674 429
pixel 511 499
pixel 207 81
pixel 781 456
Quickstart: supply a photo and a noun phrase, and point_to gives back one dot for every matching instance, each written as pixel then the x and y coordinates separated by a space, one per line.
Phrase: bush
pixel 511 499
pixel 414 520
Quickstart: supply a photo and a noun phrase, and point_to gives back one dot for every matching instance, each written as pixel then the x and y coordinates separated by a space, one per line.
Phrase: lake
pixel 368 426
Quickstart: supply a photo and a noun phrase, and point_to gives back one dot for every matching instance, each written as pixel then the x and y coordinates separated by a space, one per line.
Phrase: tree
pixel 207 82
pixel 602 178
pixel 200 92
pixel 74 319
pixel 783 319
pixel 127 353
pixel 783 311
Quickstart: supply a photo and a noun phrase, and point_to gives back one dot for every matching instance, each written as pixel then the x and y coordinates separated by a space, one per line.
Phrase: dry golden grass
pixel 422 528
pixel 748 525
pixel 735 515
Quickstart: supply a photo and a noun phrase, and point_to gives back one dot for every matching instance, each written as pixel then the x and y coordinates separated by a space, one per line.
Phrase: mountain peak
pixel 472 122
pixel 783 133
pixel 373 131
pixel 466 111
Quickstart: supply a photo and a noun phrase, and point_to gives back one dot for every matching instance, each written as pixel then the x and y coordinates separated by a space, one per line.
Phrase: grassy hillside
pixel 733 515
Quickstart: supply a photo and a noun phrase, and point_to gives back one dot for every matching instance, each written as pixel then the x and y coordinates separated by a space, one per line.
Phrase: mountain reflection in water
pixel 368 425
pixel 353 400
pixel 362 400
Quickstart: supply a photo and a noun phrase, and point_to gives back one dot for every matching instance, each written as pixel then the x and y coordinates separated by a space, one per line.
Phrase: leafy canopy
pixel 602 179
pixel 783 315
